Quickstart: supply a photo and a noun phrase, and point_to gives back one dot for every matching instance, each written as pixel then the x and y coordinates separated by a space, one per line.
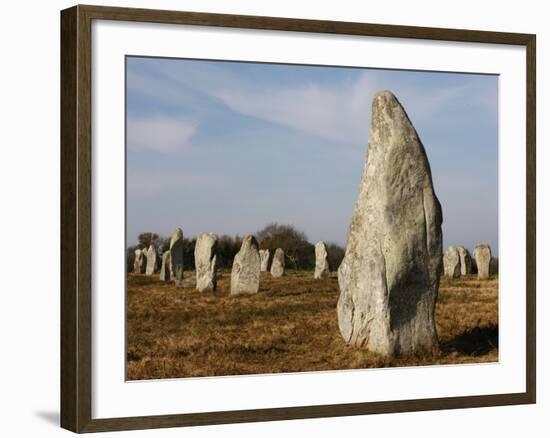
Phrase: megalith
pixel 152 257
pixel 321 261
pixel 451 262
pixel 137 260
pixel 205 261
pixel 245 273
pixel 389 277
pixel 482 254
pixel 278 263
pixel 176 256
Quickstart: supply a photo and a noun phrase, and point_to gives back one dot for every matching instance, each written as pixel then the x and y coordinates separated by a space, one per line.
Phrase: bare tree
pixel 298 251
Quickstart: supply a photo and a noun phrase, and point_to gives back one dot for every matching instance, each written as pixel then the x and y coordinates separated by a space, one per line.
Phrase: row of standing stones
pixel 458 262
pixel 389 277
pixel 247 264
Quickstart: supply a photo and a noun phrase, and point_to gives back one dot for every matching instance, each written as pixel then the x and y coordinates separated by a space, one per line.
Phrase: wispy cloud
pixel 335 110
pixel 148 185
pixel 339 112
pixel 160 134
pixel 312 108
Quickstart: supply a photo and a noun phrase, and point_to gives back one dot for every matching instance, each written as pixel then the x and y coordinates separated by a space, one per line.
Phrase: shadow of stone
pixel 51 417
pixel 473 342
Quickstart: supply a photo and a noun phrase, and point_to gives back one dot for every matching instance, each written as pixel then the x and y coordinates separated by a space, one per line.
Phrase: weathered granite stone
pixel 465 261
pixel 389 277
pixel 176 256
pixel 264 259
pixel 451 262
pixel 278 263
pixel 137 260
pixel 151 260
pixel 321 261
pixel 482 254
pixel 166 267
pixel 205 261
pixel 245 273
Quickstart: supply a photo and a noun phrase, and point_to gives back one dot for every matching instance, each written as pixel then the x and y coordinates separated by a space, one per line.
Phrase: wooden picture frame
pixel 76 217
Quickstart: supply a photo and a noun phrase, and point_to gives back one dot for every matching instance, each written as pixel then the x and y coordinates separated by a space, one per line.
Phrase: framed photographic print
pixel 269 218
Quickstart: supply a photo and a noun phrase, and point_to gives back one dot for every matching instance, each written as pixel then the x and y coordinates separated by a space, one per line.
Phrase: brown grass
pixel 289 326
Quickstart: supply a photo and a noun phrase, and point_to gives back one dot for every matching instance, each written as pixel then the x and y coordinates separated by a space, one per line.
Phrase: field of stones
pixel 290 325
pixel 393 298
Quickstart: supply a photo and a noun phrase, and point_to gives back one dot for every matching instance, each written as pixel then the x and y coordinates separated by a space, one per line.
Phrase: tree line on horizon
pixel 299 252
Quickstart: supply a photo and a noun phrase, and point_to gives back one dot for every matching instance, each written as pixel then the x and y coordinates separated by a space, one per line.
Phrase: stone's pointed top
pixel 396 156
pixel 177 235
pixel 250 240
pixel 483 245
pixel 390 124
pixel 207 236
pixel 321 248
pixel 386 100
pixel 385 95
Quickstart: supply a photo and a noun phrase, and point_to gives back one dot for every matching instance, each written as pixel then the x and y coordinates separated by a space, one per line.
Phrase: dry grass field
pixel 289 326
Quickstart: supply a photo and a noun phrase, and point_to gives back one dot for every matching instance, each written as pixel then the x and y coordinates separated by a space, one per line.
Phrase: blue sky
pixel 227 147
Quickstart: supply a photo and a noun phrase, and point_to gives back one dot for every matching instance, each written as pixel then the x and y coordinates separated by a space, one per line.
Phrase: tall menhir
pixel 389 277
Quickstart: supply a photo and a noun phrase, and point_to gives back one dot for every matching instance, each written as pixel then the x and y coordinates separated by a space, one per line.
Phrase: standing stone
pixel 245 274
pixel 482 254
pixel 389 276
pixel 278 263
pixel 205 261
pixel 151 260
pixel 176 256
pixel 451 262
pixel 143 261
pixel 264 259
pixel 465 261
pixel 321 261
pixel 137 260
pixel 166 268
